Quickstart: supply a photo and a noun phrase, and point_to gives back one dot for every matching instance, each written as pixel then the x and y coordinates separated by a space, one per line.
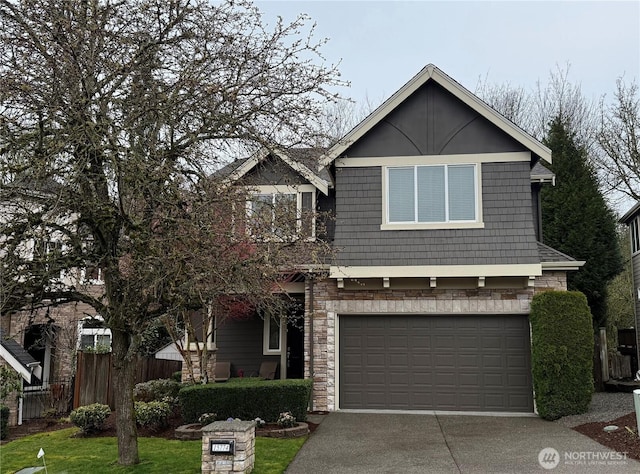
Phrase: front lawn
pixel 64 453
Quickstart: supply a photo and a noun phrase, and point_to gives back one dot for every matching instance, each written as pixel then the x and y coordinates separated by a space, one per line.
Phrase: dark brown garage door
pixel 468 363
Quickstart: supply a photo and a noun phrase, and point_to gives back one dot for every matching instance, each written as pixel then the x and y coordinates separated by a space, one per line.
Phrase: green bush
pixel 152 414
pixel 90 417
pixel 159 389
pixel 4 421
pixel 562 353
pixel 177 376
pixel 248 400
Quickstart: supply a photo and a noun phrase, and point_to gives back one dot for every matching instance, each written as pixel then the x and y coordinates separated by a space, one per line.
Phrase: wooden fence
pixel 93 376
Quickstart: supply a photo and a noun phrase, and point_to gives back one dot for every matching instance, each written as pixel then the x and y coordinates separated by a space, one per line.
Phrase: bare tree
pixel 619 138
pixel 513 102
pixel 533 111
pixel 108 112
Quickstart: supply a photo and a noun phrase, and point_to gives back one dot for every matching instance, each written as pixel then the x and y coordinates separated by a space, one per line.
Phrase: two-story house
pixel 632 220
pixel 438 254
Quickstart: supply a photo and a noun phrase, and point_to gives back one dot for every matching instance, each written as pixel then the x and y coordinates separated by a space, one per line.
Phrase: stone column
pixel 228 446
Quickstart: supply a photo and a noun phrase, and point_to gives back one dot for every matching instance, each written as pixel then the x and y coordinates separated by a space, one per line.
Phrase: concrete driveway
pixel 417 443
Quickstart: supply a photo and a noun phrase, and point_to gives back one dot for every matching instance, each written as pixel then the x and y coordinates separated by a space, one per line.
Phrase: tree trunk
pixel 124 372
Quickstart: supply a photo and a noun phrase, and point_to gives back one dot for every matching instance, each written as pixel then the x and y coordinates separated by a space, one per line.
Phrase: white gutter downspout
pixel 20 401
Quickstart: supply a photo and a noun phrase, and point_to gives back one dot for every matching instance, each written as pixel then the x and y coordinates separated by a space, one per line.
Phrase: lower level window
pixel 272 335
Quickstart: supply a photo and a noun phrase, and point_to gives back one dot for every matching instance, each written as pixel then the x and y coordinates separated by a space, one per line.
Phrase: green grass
pixel 66 454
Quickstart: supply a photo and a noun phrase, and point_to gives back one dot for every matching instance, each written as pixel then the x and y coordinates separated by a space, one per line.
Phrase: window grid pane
pixel 431 194
pixel 462 193
pixel 401 195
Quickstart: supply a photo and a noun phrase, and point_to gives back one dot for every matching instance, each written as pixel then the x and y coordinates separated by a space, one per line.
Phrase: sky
pixel 382 44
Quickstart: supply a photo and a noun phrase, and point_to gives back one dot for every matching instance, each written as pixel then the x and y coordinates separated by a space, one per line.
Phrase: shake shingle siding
pixel 508 236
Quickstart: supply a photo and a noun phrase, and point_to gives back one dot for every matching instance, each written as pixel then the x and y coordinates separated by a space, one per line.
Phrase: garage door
pixel 466 363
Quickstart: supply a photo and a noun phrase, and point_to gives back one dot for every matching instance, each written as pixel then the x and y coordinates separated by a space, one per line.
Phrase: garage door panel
pixel 479 363
pixel 470 361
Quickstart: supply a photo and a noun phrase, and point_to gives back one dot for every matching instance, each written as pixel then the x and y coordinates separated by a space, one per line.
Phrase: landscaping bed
pixel 623 440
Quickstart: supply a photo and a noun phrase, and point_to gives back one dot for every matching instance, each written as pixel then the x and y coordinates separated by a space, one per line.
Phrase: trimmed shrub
pixel 4 421
pixel 152 414
pixel 247 400
pixel 159 389
pixel 562 353
pixel 90 417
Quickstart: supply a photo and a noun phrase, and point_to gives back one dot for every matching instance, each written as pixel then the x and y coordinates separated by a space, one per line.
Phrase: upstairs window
pixel 273 214
pixel 93 335
pixel 285 214
pixel 634 229
pixel 433 194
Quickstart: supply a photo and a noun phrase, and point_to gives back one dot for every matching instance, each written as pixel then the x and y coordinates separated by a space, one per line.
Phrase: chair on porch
pixel 268 370
pixel 223 371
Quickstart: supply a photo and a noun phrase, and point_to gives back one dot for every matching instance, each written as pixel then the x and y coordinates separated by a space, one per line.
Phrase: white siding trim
pixel 452 271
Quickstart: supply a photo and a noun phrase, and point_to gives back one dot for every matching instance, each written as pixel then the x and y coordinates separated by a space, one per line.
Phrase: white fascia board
pixel 444 271
pixel 566 266
pixel 432 72
pixel 15 364
pixel 314 179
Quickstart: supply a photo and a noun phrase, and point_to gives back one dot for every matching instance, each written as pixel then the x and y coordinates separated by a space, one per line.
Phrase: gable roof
pixel 19 359
pixel 301 160
pixel 432 73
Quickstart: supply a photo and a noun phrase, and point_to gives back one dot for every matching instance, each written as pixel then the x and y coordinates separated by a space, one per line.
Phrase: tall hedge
pixel 246 399
pixel 562 353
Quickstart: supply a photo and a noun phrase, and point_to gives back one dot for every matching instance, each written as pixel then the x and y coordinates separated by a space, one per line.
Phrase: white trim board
pixel 472 158
pixel 417 271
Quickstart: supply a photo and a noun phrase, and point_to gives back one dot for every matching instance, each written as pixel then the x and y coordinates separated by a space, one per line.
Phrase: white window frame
pixel 447 224
pixel 278 189
pixel 95 332
pixel 266 350
pixel 634 234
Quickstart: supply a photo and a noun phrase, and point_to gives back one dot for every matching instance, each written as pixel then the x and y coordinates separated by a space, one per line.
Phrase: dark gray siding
pixel 508 236
pixel 635 268
pixel 272 171
pixel 326 207
pixel 433 122
pixel 240 342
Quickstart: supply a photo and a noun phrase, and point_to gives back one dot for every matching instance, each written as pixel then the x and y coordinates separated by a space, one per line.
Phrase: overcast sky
pixel 382 44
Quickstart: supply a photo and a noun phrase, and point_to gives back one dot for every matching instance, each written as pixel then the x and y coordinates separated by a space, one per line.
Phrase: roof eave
pixel 630 213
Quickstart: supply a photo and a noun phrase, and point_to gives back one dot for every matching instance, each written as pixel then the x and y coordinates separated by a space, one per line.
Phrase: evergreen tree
pixel 578 221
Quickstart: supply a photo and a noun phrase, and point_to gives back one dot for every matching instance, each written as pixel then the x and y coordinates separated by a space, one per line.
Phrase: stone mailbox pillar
pixel 228 446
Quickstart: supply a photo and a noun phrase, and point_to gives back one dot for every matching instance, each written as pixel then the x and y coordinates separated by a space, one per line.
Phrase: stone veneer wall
pixel 195 361
pixel 329 300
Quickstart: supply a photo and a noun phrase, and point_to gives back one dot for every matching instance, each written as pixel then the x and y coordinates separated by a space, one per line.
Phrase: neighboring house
pixel 13 355
pixel 51 336
pixel 632 219
pixel 438 254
